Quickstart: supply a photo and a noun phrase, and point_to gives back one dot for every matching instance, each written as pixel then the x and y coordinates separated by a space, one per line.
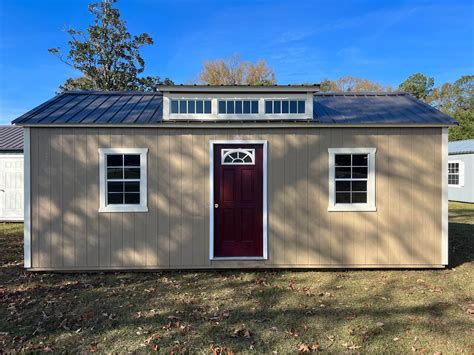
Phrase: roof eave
pixel 240 88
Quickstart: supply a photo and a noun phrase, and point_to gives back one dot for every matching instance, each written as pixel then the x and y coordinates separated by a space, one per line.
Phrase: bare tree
pixel 234 71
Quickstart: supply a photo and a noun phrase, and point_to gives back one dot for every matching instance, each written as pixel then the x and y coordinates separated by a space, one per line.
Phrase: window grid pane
pixel 351 176
pixel 239 107
pixel 123 181
pixel 453 173
pixel 285 106
pixel 190 107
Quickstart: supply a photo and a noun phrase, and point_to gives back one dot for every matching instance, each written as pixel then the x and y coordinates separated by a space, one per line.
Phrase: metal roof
pixel 11 138
pixel 88 107
pixel 461 147
pixel 104 108
pixel 380 108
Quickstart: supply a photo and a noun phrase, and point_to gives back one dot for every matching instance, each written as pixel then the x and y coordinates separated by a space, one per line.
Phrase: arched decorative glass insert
pixel 238 156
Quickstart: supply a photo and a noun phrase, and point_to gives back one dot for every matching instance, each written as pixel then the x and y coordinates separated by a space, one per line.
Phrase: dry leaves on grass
pixel 242 332
pixel 292 333
pixel 219 350
pixel 351 346
pixel 305 348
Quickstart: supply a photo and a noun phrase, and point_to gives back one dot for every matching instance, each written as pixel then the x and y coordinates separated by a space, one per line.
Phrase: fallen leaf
pixel 396 339
pixel 292 333
pixel 379 324
pixel 470 311
pixel 303 348
pixel 242 333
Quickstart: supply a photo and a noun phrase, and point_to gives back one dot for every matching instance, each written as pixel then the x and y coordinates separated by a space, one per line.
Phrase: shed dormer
pixel 227 103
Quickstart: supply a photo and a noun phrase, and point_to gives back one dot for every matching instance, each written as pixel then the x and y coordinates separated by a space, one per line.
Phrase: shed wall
pixel 463 193
pixel 68 233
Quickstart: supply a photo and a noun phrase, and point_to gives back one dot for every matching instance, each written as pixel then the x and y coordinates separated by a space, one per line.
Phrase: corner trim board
pixel 27 200
pixel 444 198
pixel 264 143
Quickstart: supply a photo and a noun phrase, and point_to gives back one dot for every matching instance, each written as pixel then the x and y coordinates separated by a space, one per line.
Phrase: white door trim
pixel 264 143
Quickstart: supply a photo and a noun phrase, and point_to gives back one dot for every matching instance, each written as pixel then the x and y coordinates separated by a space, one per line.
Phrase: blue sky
pixel 303 41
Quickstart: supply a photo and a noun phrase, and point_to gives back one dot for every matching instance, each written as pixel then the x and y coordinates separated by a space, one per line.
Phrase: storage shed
pixel 11 174
pixel 461 171
pixel 204 177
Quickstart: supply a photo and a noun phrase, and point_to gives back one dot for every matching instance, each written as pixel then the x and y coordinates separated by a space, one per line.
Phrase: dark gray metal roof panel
pixel 11 138
pixel 461 147
pixel 85 107
pixel 380 108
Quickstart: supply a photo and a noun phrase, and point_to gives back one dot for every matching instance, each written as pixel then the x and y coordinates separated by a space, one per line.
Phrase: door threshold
pixel 238 258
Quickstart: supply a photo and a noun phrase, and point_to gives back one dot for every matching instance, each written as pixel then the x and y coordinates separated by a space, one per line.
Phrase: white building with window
pixel 461 171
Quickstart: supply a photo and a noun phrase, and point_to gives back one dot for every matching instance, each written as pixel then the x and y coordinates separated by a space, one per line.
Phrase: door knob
pixel 216 205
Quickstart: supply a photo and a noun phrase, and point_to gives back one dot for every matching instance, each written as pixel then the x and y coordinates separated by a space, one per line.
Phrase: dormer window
pixel 237 103
pixel 284 106
pixel 238 107
pixel 191 107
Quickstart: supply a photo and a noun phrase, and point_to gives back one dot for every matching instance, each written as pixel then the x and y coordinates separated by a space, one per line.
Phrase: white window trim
pixel 342 207
pixel 264 143
pixel 250 152
pixel 143 206
pixel 215 97
pixel 460 173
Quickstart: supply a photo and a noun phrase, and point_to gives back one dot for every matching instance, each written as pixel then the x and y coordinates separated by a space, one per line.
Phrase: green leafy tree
pixel 418 85
pixel 465 130
pixel 106 54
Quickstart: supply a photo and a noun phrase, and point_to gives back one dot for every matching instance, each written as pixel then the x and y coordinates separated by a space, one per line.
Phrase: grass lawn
pixel 396 311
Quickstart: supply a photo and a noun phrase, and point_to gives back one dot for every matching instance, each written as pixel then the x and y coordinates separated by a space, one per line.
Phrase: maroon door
pixel 238 200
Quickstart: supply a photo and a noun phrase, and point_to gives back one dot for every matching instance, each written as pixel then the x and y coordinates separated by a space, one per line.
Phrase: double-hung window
pixel 123 180
pixel 455 173
pixel 351 179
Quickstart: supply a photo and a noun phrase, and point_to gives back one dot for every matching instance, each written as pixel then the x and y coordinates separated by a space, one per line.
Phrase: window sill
pixel 123 208
pixel 352 208
pixel 454 186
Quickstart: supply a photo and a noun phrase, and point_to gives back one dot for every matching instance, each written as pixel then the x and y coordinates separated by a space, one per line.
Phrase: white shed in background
pixel 11 174
pixel 461 171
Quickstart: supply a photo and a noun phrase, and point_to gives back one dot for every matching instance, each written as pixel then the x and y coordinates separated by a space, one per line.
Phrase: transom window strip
pixel 238 107
pixel 238 156
pixel 191 106
pixel 351 176
pixel 284 106
pixel 453 173
pixel 123 179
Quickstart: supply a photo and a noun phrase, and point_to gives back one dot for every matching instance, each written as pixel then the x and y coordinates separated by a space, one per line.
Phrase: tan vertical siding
pixel 105 225
pixel 163 212
pixel 56 201
pixel 92 191
pixel 69 233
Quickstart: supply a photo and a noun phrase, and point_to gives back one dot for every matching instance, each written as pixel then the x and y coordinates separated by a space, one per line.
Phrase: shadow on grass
pixel 190 311
pixel 461 243
pixel 185 312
